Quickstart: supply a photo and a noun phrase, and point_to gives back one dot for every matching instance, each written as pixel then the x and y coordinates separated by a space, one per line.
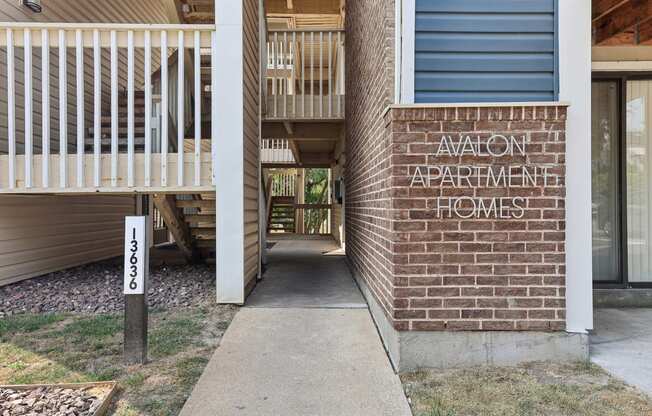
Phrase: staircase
pixel 123 110
pixel 281 215
pixel 191 221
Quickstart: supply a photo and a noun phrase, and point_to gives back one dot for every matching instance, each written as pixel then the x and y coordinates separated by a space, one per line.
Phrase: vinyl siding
pixel 42 234
pixel 485 51
pixel 251 141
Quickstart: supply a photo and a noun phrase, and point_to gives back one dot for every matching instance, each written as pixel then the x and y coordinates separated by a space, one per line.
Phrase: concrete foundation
pixel 411 350
pixel 622 298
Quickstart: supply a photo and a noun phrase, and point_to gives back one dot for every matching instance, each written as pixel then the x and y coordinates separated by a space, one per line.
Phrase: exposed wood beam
pixel 295 151
pixel 622 18
pixel 173 218
pixel 602 7
pixel 290 5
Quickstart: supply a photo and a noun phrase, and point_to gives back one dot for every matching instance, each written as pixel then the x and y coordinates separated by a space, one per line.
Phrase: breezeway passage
pixel 318 355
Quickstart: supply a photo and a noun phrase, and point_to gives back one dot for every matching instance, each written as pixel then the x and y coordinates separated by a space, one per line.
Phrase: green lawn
pixel 545 389
pixel 53 348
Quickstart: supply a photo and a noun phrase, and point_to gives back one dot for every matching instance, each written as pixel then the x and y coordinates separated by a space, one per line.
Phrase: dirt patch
pixel 548 389
pixel 97 288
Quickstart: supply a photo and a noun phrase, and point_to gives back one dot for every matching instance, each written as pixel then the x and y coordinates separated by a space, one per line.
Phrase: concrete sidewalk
pixel 622 345
pixel 321 356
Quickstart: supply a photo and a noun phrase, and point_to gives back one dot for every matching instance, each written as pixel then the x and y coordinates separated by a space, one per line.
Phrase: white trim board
pixel 406 75
pixel 575 87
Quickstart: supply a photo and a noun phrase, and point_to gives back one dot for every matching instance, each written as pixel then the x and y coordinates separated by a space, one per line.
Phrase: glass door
pixel 638 154
pixel 605 132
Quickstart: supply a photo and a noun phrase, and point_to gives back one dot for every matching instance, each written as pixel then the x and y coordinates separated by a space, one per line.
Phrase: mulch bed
pixel 51 401
pixel 97 288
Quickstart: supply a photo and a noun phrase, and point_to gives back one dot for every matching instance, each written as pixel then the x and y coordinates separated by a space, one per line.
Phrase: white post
pixel 97 108
pixel 164 108
pixel 148 108
pixel 79 77
pixel 228 131
pixel 114 108
pixel 29 149
pixel 130 108
pixel 63 111
pixel 45 108
pixel 198 98
pixel 181 126
pixel 575 87
pixel 11 108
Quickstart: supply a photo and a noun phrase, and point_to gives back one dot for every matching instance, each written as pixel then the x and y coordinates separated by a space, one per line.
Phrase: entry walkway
pixel 622 345
pixel 304 344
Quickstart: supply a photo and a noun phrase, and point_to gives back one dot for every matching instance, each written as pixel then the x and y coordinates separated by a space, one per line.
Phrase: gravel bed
pixel 97 288
pixel 49 401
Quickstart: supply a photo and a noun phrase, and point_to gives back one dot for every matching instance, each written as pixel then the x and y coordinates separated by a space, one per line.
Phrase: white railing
pixel 99 126
pixel 276 151
pixel 305 74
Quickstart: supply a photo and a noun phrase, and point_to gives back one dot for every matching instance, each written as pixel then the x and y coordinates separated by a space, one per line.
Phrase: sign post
pixel 136 264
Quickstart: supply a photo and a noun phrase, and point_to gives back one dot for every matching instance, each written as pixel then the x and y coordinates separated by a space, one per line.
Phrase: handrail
pixel 107 26
pixel 320 29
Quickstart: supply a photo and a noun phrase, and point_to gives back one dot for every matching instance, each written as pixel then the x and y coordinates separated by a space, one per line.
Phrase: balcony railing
pixel 104 107
pixel 276 152
pixel 305 74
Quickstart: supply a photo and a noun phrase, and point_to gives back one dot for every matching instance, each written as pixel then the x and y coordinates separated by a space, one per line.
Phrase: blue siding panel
pixel 484 22
pixel 485 6
pixel 481 50
pixel 484 62
pixel 497 81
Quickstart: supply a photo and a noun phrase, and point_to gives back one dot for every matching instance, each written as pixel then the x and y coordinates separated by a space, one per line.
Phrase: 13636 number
pixel 133 260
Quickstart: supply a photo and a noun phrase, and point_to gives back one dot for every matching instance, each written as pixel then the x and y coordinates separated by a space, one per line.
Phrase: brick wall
pixel 432 273
pixel 497 270
pixel 369 91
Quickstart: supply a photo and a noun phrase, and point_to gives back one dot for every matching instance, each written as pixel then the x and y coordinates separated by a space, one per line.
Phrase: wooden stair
pixel 191 220
pixel 281 215
pixel 105 130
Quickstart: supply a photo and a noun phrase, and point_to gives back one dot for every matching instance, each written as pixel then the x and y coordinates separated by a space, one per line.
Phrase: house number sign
pixel 135 259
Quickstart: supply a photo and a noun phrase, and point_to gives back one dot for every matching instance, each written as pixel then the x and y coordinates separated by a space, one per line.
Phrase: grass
pixel 57 348
pixel 580 389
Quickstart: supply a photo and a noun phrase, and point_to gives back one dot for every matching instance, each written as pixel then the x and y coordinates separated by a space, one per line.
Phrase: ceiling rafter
pixel 622 18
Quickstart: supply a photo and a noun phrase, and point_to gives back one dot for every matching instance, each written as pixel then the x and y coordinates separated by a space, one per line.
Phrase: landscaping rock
pixel 97 288
pixel 49 401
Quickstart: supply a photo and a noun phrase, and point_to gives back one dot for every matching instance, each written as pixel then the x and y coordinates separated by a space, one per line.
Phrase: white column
pixel 228 136
pixel 575 88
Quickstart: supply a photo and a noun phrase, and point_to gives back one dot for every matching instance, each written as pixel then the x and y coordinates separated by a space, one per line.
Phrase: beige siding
pixel 42 234
pixel 71 11
pixel 251 140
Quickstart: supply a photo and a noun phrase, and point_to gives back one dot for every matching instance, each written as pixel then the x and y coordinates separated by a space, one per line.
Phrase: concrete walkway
pixel 622 345
pixel 304 344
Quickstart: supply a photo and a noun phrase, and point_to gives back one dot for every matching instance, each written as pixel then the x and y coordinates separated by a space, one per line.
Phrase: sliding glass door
pixel 605 175
pixel 621 183
pixel 638 170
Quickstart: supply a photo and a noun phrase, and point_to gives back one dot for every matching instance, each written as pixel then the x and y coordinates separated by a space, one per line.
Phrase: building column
pixel 575 88
pixel 228 141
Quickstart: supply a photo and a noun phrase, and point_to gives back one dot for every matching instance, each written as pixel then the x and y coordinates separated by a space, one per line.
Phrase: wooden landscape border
pixel 104 404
